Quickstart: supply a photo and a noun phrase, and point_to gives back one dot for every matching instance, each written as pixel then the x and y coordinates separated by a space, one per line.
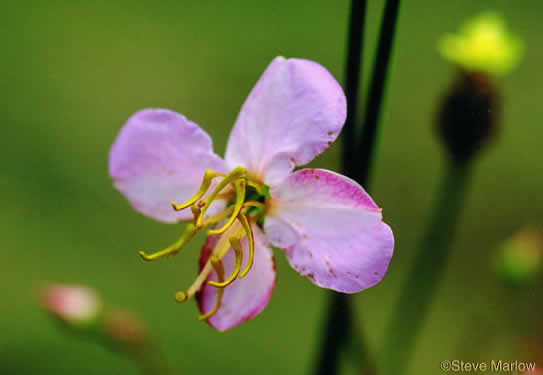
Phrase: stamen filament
pixel 240 197
pixel 195 212
pixel 206 183
pixel 173 249
pixel 231 233
pixel 232 176
pixel 182 296
pixel 220 249
pixel 218 217
pixel 249 232
pixel 219 269
pixel 236 246
pixel 254 204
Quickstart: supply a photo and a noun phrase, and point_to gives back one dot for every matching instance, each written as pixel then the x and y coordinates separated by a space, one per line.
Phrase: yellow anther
pixel 236 246
pixel 236 173
pixel 248 231
pixel 220 249
pixel 219 270
pixel 240 197
pixel 173 249
pixel 181 297
pixel 206 183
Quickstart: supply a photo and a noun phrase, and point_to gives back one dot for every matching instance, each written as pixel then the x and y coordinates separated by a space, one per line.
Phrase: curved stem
pixel 353 82
pixel 365 149
pixel 335 335
pixel 357 158
pixel 337 326
pixel 425 273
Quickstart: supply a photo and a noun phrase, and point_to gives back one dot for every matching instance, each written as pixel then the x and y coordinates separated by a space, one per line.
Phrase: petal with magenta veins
pixel 331 230
pixel 294 112
pixel 244 298
pixel 158 157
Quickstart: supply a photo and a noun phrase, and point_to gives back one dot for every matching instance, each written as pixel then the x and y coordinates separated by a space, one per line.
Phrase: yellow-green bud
pixel 521 257
pixel 483 45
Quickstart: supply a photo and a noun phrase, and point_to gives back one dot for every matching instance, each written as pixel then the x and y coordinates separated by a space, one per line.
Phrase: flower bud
pixel 482 49
pixel 521 257
pixel 484 45
pixel 72 304
pixel 469 114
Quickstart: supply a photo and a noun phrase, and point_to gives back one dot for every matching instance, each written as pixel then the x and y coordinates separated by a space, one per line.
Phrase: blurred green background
pixel 73 72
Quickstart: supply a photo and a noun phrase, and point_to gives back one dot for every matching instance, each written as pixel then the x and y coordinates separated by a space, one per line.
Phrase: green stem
pixel 357 158
pixel 335 334
pixel 337 326
pixel 376 93
pixel 429 267
pixel 353 83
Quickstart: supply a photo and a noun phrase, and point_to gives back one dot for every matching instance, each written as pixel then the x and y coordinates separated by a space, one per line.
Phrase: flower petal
pixel 294 112
pixel 244 298
pixel 331 230
pixel 158 157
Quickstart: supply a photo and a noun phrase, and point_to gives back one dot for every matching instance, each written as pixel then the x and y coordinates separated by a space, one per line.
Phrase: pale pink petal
pixel 331 230
pixel 158 157
pixel 71 303
pixel 294 112
pixel 244 298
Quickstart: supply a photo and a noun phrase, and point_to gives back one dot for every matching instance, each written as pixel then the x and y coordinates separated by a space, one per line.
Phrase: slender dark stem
pixel 335 335
pixel 356 163
pixel 337 327
pixel 352 82
pixel 376 92
pixel 424 276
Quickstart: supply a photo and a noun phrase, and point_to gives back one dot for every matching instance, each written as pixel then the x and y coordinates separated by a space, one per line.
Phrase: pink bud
pixel 73 304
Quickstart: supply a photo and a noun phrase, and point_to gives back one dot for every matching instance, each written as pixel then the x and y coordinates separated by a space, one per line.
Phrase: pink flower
pixel 72 304
pixel 329 228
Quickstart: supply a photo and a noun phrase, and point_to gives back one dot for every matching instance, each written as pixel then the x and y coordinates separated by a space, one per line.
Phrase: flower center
pixel 247 202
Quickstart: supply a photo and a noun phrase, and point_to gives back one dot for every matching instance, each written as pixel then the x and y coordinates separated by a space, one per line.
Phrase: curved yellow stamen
pixel 219 269
pixel 206 183
pixel 218 217
pixel 220 249
pixel 250 239
pixel 237 183
pixel 232 176
pixel 240 197
pixel 236 246
pixel 173 249
pixel 254 204
pixel 195 212
pixel 182 296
